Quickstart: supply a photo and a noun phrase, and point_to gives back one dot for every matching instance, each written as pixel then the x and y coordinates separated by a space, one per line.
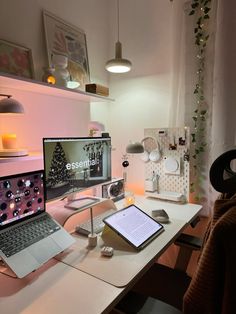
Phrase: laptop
pixel 29 236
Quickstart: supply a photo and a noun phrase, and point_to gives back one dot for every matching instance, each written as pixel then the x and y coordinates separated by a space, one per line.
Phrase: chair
pixel 212 288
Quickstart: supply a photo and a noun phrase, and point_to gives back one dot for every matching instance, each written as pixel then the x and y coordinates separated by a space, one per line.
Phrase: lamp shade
pixel 118 65
pixel 10 105
pixel 134 148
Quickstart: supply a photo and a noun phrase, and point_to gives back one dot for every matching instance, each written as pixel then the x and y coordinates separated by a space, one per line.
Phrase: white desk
pixel 59 288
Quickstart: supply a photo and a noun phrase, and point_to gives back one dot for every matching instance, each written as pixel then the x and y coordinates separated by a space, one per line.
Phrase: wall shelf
pixel 29 157
pixel 19 83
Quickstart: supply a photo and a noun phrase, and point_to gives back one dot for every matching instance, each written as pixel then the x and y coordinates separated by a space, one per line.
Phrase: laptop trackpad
pixel 44 250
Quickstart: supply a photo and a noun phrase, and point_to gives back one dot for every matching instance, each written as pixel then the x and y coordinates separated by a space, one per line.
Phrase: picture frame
pixel 16 59
pixel 67 40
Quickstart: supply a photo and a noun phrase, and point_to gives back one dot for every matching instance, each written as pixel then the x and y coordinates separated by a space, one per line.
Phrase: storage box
pixel 97 89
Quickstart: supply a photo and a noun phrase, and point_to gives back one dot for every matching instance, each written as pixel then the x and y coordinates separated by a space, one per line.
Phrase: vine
pixel 201 10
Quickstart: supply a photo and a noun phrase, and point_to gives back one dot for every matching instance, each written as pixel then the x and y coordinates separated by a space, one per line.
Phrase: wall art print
pixel 67 40
pixel 16 59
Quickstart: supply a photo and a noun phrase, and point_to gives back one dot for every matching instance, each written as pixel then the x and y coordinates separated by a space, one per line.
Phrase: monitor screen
pixel 75 164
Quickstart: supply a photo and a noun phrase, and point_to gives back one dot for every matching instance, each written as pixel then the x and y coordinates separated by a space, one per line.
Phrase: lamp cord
pixel 118 22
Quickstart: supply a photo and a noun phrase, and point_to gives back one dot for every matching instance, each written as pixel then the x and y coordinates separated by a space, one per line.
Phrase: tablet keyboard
pixel 98 224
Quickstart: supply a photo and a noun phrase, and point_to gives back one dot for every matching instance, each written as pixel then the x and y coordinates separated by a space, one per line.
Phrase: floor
pixel 168 258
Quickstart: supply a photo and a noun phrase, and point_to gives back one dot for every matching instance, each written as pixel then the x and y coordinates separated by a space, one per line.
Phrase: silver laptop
pixel 29 236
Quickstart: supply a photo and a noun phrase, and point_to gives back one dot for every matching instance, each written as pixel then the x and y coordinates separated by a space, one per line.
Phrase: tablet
pixel 134 225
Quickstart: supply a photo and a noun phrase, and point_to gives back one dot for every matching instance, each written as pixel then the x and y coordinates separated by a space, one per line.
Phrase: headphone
pixel 154 155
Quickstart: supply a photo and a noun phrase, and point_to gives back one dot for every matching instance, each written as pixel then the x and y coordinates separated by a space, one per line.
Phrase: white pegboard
pixel 173 142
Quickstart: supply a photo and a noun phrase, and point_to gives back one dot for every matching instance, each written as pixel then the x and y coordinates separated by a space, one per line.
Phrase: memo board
pixel 174 146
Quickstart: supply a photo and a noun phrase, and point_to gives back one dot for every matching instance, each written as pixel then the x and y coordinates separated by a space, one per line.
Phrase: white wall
pixel 143 95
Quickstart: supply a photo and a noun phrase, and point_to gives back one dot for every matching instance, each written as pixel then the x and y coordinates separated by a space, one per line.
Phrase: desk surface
pixel 59 288
pixel 55 289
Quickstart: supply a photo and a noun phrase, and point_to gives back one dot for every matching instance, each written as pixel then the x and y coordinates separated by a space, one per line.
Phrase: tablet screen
pixel 134 225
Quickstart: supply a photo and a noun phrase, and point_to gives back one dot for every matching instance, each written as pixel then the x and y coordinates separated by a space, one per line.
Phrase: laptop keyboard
pixel 20 237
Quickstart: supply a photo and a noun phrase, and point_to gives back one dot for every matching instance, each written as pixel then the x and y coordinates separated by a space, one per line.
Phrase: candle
pixel 129 198
pixel 51 79
pixel 9 141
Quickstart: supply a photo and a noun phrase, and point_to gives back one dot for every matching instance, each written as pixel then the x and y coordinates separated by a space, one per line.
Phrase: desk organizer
pixel 172 170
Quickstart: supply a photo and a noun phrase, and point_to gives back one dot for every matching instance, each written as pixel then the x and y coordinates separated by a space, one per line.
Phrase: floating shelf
pixel 19 83
pixel 29 157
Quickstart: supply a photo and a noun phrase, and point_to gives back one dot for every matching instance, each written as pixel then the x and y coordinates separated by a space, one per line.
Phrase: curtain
pixel 219 83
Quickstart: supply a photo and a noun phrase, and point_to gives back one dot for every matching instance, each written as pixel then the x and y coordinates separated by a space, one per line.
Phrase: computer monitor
pixel 73 165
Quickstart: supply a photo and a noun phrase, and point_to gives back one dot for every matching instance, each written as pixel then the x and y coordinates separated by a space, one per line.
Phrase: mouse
pixel 160 215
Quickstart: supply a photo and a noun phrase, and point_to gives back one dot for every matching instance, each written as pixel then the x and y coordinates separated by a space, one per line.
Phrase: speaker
pixel 114 190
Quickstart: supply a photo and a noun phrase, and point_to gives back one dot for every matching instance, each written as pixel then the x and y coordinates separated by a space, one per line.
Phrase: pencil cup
pixel 92 240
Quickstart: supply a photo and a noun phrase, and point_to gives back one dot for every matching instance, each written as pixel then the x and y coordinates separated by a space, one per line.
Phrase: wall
pixel 21 22
pixel 143 95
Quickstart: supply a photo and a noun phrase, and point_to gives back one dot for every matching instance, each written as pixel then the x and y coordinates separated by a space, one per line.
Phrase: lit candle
pixel 9 141
pixel 129 198
pixel 51 80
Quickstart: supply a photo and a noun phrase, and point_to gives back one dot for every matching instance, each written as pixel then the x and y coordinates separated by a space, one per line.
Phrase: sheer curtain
pixel 224 91
pixel 220 86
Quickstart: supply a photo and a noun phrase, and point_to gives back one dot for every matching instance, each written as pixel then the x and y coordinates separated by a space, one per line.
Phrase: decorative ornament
pixel 125 163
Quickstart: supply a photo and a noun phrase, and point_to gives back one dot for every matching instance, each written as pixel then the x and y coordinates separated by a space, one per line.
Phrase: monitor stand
pixel 80 203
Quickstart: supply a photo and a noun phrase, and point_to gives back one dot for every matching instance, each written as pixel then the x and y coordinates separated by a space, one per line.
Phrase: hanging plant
pixel 200 9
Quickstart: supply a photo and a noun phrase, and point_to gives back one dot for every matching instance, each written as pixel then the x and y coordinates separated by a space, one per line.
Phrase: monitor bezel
pixel 82 138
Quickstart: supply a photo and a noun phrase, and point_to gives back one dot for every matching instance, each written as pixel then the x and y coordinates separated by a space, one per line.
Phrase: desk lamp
pixel 131 148
pixel 9 105
pixel 134 148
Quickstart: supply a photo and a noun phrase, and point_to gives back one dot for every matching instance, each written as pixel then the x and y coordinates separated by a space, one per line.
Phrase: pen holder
pixel 150 185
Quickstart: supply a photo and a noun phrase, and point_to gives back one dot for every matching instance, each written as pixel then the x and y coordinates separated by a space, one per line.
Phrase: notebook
pixel 29 236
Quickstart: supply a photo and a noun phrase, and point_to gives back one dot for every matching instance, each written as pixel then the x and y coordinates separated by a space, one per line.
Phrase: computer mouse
pixel 160 215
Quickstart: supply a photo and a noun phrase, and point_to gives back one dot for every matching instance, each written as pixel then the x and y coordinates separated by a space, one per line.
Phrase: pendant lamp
pixel 118 65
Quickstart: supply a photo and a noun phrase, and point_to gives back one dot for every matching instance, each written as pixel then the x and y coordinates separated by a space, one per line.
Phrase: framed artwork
pixel 70 41
pixel 16 59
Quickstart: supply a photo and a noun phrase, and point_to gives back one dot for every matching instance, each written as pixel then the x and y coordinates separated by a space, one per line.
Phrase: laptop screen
pixel 21 197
